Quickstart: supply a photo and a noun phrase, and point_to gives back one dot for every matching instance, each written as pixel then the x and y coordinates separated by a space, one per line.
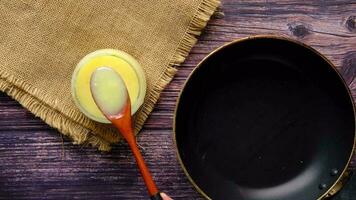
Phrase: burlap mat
pixel 41 42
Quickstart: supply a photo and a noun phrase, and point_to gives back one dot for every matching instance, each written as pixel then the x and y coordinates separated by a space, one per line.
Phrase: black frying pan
pixel 265 118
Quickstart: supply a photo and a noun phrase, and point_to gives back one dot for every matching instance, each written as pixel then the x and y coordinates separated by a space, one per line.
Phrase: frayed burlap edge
pixel 25 95
pixel 69 123
pixel 205 10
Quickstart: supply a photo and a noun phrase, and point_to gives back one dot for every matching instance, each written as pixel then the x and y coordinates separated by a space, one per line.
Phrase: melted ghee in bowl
pixel 123 64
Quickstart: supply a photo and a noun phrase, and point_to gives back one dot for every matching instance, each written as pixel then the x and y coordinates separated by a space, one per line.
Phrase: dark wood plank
pixel 36 164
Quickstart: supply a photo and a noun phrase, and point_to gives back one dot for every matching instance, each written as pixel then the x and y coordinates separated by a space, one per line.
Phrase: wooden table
pixel 37 163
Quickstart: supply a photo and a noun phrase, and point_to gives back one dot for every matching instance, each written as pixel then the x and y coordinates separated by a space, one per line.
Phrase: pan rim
pixel 338 184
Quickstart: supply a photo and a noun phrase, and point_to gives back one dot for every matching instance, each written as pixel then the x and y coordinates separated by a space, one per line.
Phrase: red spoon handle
pixel 123 124
pixel 151 186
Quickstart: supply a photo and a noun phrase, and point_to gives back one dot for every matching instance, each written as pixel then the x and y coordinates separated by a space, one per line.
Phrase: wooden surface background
pixel 37 163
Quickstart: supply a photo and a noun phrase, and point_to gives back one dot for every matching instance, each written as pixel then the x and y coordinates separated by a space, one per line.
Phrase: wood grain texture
pixel 35 163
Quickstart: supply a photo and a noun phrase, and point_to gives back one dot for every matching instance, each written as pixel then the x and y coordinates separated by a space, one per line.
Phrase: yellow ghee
pixel 123 64
pixel 109 91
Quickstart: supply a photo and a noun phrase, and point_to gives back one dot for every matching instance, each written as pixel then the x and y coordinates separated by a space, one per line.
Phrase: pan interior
pixel 264 119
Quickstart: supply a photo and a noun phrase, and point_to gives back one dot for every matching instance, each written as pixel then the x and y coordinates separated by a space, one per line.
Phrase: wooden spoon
pixel 110 94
